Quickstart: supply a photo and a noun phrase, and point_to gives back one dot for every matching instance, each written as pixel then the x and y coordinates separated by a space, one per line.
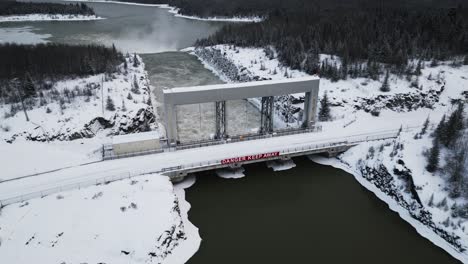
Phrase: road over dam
pixel 176 164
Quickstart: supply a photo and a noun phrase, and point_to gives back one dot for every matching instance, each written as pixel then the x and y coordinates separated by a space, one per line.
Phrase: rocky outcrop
pixel 384 181
pixel 171 238
pixel 217 59
pixel 227 68
pixel 142 121
pixel 401 102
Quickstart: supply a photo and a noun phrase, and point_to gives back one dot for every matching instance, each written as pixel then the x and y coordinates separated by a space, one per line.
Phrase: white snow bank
pixel 188 247
pixel 119 2
pixel 40 157
pixel 176 12
pixel 122 222
pixel 281 165
pixel 48 17
pixel 253 19
pixel 228 173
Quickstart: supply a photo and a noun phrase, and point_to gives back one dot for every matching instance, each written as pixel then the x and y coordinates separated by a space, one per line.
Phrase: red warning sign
pixel 250 157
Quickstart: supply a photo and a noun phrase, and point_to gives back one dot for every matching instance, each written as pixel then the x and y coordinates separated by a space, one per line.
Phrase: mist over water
pixel 131 28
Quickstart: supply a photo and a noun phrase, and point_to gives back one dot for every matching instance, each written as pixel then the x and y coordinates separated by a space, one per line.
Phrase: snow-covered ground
pixel 48 17
pixel 176 12
pixel 255 19
pixel 130 221
pixel 353 101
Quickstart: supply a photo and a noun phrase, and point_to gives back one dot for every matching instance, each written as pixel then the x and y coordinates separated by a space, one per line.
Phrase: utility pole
pixel 15 84
pixel 102 94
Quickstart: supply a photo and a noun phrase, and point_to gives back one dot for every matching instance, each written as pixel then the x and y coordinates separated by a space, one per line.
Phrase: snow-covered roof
pixel 236 91
pixel 237 85
pixel 135 137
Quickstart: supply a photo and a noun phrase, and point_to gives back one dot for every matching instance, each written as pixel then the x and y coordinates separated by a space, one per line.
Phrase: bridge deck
pixel 86 175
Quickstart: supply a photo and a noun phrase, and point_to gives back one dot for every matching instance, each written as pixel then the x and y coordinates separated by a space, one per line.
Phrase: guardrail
pixel 245 137
pixel 109 155
pixel 73 186
pixel 340 142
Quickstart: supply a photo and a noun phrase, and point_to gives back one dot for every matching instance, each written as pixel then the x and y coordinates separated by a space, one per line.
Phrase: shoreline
pixel 48 17
pixel 175 11
pixel 421 229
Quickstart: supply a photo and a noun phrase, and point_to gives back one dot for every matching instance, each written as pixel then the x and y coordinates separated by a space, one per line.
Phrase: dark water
pixel 310 214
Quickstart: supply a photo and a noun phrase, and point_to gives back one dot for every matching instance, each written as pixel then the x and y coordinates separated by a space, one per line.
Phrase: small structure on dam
pixel 220 93
pixel 132 145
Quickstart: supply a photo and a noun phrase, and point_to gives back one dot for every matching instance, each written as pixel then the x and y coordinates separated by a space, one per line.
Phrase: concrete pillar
pixel 171 123
pixel 266 113
pixel 310 109
pixel 220 108
pixel 308 106
pixel 314 100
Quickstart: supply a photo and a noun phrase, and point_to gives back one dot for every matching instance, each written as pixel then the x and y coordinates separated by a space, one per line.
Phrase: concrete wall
pixel 137 146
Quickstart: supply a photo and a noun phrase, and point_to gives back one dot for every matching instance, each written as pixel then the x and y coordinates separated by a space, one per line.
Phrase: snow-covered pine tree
pixel 433 157
pixel 418 69
pixel 129 96
pixel 136 62
pixel 440 130
pixel 431 201
pixel 453 126
pixel 425 126
pixel 110 104
pixel 135 87
pixel 385 85
pixel 456 170
pixel 415 83
pixel 124 108
pixel 324 113
pixel 28 86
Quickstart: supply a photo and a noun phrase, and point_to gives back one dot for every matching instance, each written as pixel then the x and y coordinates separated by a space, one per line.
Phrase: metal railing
pixel 245 137
pixel 341 142
pixel 109 155
pixel 73 186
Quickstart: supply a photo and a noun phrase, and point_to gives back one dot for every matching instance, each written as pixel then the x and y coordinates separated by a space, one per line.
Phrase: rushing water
pixel 309 214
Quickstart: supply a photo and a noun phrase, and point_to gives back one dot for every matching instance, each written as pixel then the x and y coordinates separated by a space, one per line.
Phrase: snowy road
pixel 156 162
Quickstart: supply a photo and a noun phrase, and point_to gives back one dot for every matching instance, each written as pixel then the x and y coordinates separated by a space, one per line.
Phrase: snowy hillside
pixel 74 116
pixel 393 169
